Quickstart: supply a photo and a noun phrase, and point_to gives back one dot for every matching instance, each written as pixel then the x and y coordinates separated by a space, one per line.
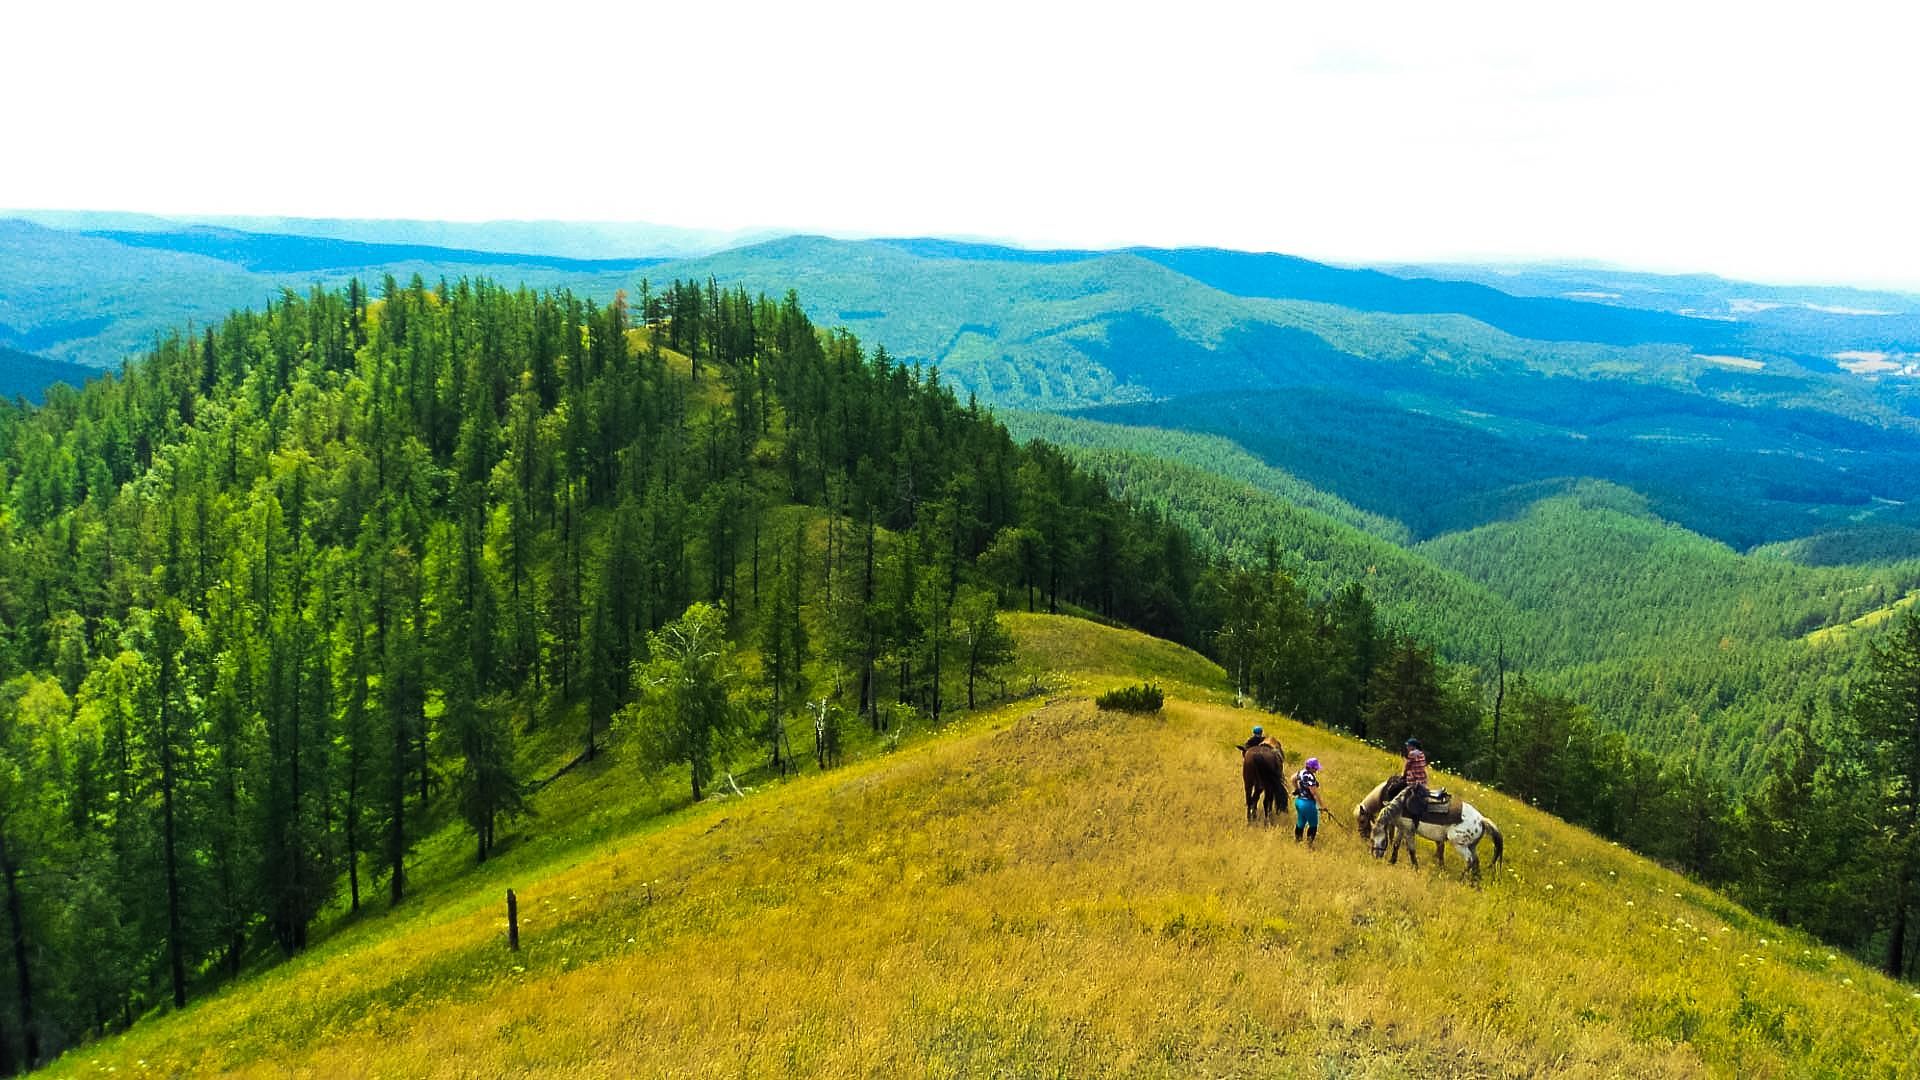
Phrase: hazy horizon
pixel 724 239
pixel 1749 143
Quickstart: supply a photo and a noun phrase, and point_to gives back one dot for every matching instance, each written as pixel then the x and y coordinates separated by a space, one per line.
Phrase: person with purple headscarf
pixel 1306 801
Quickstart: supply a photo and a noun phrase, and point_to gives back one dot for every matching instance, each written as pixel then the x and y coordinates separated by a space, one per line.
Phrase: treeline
pixel 1825 837
pixel 286 594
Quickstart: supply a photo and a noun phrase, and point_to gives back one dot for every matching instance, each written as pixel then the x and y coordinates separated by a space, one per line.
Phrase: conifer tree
pixel 688 713
pixel 1886 711
pixel 987 645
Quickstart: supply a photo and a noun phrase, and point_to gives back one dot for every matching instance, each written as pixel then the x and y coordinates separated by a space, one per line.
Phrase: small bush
pixel 1144 698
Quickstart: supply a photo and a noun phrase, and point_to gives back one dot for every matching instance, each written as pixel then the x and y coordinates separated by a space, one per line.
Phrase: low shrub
pixel 1144 698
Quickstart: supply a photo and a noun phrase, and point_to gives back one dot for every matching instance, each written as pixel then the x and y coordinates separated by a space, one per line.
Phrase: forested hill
pixel 287 594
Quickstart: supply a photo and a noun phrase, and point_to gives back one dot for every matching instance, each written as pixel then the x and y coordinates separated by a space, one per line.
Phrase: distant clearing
pixel 1741 362
pixel 1828 635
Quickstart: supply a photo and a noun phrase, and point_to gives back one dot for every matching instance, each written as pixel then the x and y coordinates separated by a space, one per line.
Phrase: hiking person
pixel 1259 736
pixel 1306 801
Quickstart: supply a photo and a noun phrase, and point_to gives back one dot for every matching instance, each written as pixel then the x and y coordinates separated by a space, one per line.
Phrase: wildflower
pixel 1549 888
pixel 1846 982
pixel 1831 958
pixel 1629 903
pixel 1763 942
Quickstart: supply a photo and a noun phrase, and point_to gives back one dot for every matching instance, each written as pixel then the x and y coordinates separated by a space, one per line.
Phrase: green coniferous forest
pixel 288 592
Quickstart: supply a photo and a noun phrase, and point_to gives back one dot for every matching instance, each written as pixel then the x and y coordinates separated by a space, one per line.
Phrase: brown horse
pixel 1263 771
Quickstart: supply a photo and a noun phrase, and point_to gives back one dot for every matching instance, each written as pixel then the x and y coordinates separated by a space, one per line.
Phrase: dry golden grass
pixel 1047 890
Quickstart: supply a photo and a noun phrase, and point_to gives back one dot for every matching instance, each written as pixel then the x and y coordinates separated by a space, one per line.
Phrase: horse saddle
pixel 1442 808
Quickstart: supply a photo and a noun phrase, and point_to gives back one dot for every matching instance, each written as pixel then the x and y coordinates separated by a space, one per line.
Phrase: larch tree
pixel 1887 712
pixel 688 713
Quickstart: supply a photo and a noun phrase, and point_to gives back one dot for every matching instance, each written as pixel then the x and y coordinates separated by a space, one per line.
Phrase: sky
pixel 1773 143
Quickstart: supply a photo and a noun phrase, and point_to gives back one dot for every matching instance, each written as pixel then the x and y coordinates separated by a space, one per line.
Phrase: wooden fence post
pixel 513 922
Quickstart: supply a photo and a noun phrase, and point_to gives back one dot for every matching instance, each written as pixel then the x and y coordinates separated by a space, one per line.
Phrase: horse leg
pixel 1253 801
pixel 1413 849
pixel 1472 855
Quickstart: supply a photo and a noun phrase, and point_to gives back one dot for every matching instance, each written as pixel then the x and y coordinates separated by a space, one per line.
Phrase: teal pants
pixel 1306 814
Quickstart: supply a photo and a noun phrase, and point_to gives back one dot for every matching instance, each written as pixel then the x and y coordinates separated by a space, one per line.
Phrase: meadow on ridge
pixel 1047 889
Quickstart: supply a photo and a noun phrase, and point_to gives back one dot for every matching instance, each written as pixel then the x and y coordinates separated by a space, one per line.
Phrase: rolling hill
pixel 1688 645
pixel 1745 450
pixel 24 375
pixel 1324 399
pixel 96 299
pixel 1748 445
pixel 1042 889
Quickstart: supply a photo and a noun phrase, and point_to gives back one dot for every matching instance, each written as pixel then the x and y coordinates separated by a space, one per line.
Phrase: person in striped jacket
pixel 1414 775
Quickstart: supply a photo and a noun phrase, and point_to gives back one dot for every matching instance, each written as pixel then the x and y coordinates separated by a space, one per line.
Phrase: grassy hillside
pixel 1046 890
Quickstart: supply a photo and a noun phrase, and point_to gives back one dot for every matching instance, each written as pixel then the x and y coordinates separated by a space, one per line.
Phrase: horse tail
pixel 1498 844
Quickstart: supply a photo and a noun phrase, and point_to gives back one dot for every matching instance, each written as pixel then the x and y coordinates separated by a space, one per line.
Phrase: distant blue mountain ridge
pixel 24 375
pixel 1289 277
pixel 272 253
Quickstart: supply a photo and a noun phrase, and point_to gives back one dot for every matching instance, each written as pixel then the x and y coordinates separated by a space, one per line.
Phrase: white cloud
pixel 1744 139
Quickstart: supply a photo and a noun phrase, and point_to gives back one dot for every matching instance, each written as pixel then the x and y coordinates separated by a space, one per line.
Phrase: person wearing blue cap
pixel 1259 736
pixel 1306 801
